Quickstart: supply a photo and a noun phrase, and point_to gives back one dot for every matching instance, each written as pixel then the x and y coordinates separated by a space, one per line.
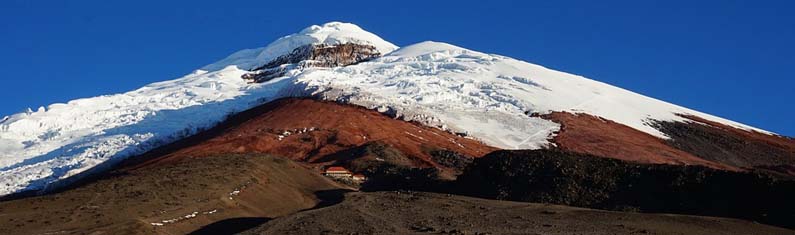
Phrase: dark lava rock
pixel 558 177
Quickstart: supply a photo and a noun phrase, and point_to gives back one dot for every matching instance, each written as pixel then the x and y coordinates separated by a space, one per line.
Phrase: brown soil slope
pixel 311 130
pixel 589 134
pixel 174 198
pixel 428 213
pixel 699 142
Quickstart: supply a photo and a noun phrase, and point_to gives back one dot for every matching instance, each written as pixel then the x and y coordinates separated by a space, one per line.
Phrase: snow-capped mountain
pixel 491 98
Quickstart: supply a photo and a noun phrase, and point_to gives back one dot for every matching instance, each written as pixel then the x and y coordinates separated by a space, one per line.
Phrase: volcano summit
pixel 335 94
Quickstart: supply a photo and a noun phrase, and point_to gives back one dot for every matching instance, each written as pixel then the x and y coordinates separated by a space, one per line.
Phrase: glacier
pixel 487 97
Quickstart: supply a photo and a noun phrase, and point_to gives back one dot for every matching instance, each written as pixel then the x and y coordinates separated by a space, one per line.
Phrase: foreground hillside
pixel 258 194
pixel 403 212
pixel 172 198
pixel 560 177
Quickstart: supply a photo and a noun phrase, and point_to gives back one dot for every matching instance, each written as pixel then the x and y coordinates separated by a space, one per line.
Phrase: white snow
pixel 40 147
pixel 485 96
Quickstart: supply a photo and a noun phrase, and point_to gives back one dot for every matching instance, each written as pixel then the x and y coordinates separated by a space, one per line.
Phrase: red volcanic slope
pixel 305 129
pixel 315 131
pixel 584 133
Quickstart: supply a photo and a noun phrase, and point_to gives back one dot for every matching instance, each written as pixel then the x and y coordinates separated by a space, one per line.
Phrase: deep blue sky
pixel 729 58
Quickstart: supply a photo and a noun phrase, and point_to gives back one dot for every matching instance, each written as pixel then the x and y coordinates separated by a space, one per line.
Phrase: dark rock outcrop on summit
pixel 558 177
pixel 321 55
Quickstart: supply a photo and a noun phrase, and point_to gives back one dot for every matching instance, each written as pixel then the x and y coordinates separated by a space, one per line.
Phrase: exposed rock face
pixel 319 55
pixel 730 146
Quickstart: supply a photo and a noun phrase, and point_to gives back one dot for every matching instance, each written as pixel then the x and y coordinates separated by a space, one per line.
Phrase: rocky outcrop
pixel 318 55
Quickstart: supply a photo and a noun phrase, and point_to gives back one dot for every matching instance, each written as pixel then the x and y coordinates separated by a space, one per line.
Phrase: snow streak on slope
pixel 486 96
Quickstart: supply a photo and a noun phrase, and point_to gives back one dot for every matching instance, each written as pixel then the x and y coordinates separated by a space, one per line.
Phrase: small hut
pixel 338 172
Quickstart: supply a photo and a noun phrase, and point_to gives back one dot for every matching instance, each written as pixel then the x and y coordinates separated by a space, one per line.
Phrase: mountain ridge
pixel 491 98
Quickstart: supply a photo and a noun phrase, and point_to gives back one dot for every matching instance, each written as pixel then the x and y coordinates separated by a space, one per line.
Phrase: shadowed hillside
pixel 558 177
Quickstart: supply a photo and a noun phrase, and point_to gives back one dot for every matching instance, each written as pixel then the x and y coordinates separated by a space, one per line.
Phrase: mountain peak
pixel 429 47
pixel 494 99
pixel 330 33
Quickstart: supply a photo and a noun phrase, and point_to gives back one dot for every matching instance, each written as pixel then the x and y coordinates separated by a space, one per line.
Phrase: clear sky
pixel 733 59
